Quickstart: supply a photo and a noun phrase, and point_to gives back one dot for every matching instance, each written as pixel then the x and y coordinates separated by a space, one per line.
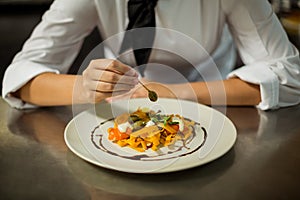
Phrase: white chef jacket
pixel 270 60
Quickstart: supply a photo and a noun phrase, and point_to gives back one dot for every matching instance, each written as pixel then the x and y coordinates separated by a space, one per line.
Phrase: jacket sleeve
pixel 270 59
pixel 52 46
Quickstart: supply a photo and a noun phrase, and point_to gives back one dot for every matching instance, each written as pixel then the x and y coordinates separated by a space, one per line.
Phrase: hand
pixel 104 78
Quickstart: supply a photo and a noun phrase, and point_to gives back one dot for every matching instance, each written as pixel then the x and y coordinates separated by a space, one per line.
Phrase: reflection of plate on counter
pixel 143 185
pixel 221 135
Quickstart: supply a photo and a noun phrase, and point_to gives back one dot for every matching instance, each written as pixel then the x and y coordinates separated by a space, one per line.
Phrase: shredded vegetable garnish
pixel 145 129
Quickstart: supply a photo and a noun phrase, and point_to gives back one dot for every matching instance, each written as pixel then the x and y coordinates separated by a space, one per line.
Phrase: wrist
pixel 79 92
pixel 184 91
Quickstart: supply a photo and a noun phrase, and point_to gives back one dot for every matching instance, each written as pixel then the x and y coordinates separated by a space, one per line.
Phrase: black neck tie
pixel 141 14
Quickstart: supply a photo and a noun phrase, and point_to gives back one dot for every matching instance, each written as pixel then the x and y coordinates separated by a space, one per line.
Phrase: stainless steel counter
pixel 35 163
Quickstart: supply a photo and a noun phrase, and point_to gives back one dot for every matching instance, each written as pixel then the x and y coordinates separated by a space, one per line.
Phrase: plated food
pixel 146 129
pixel 214 134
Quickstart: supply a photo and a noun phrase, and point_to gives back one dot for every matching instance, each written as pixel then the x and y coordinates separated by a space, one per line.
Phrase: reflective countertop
pixel 35 162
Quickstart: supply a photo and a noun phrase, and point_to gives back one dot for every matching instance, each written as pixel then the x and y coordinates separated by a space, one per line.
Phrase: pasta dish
pixel 145 129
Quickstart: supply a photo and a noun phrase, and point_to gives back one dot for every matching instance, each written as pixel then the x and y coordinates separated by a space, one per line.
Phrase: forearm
pixel 49 89
pixel 101 79
pixel 234 92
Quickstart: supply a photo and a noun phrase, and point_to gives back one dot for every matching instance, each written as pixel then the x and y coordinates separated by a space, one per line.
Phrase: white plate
pixel 83 138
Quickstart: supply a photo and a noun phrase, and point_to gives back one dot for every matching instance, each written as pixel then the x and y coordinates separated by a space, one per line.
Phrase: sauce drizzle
pixel 144 156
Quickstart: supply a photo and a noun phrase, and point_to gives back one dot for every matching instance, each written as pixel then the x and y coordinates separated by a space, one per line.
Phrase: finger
pixel 112 77
pixel 95 96
pixel 137 92
pixel 116 97
pixel 122 68
pixel 108 87
pixel 114 66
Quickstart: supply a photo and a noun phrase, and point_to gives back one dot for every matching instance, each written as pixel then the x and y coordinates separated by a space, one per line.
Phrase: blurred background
pixel 17 20
pixel 288 12
pixel 19 17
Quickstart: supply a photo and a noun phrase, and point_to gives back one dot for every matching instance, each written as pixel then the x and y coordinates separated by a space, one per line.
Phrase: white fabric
pixel 270 59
